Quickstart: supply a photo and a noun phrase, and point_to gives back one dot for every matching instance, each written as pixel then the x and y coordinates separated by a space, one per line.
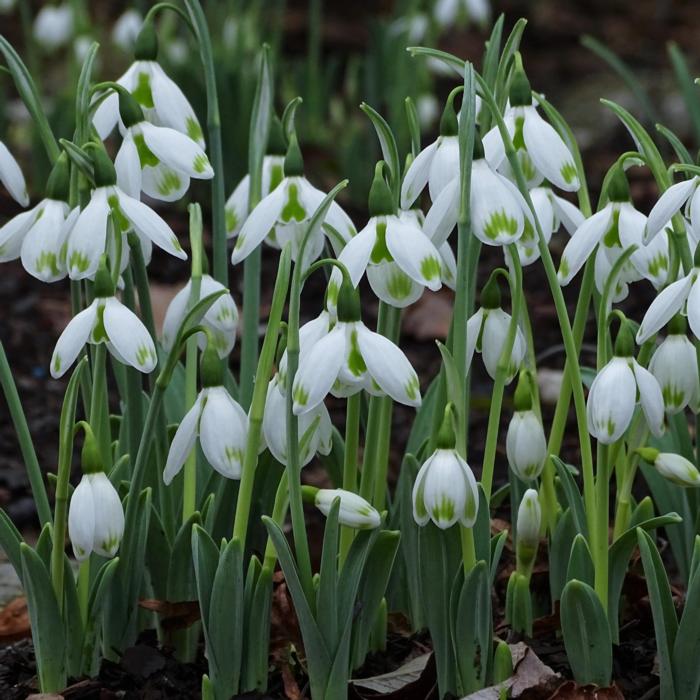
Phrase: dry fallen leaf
pixel 414 680
pixel 14 621
pixel 175 616
pixel 571 691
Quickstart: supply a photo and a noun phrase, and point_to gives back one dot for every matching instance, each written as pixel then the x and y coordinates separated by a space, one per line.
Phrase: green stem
pixel 352 436
pixel 468 550
pixel 251 321
pixel 84 589
pixel 138 267
pixel 279 513
pixel 99 406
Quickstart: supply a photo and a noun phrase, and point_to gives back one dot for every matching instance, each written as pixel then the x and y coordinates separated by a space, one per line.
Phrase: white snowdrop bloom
pixel 445 491
pixel 526 445
pixel 288 209
pixel 88 239
pixel 95 517
pixel 540 150
pixel 126 29
pixel 529 519
pixel 676 468
pixel 354 510
pixel 617 389
pixel 157 160
pixel 107 321
pixel 414 26
pixel 162 101
pixel 222 427
pixel 38 236
pixel 675 367
pixel 670 203
pixel 315 427
pixel 350 358
pixel 447 12
pixel 53 26
pixel 81 46
pixel 221 319
pixel 11 176
pixel 309 334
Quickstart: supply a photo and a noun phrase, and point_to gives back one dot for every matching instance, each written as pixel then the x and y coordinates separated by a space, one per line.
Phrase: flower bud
pixel 354 511
pixel 526 445
pixel 529 520
pixel 673 467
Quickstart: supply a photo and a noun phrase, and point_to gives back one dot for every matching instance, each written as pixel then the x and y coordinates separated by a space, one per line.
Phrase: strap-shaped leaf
pixel 586 634
pixel 158 550
pixel 687 85
pixel 560 552
pixel 498 542
pixel 387 142
pixel 205 556
pixel 573 495
pixel 260 125
pixel 519 604
pixel 83 96
pixel 10 540
pixel 326 595
pixel 255 662
pixel 686 650
pixel 181 579
pixel 580 562
pixel 511 47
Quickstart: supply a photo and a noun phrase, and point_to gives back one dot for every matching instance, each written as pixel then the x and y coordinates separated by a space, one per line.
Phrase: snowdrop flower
pixel 236 210
pixel 221 319
pixel 11 177
pixel 529 520
pixel 487 331
pixel 315 427
pixel 53 26
pixel 81 46
pixel 107 321
pixel 675 367
pixel 126 29
pixel 447 12
pixel 617 389
pixel 672 466
pixel 288 209
pixel 163 102
pixel 157 160
pixel 351 358
pixel 400 255
pixel 354 510
pixel 310 333
pixel 95 514
pixel 218 420
pixel 497 207
pixel 526 445
pixel 670 203
pixel 541 152
pixel 445 490
pixel 38 236
pixel 88 239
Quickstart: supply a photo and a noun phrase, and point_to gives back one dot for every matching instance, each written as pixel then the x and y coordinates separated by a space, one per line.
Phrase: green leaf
pixel 687 85
pixel 10 541
pixel 258 637
pixel 686 649
pixel 327 592
pixel 390 151
pixel 512 45
pixel 158 552
pixel 205 555
pixel 681 151
pixel 519 604
pixel 580 562
pixel 498 542
pixel 560 553
pixel 45 617
pixel 573 495
pixel 586 634
pixel 80 159
pixel 83 95
pixel 260 122
pixel 491 55
pixel 181 579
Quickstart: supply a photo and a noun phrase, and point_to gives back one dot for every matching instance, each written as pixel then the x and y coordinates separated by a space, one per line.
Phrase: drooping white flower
pixel 95 517
pixel 677 469
pixel 675 367
pixel 163 102
pixel 221 319
pixel 354 510
pixel 526 445
pixel 617 389
pixel 445 491
pixel 448 12
pixel 351 358
pixel 107 321
pixel 11 176
pixel 157 160
pixel 87 240
pixel 126 29
pixel 315 427
pixel 529 520
pixel 222 427
pixel 309 334
pixel 285 213
pixel 670 203
pixel 53 26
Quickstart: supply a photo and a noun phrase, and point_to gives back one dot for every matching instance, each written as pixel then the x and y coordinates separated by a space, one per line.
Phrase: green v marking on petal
pixel 293 210
pixel 142 91
pixel 380 252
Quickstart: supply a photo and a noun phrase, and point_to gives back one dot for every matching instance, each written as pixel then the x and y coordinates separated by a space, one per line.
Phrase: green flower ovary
pixel 500 223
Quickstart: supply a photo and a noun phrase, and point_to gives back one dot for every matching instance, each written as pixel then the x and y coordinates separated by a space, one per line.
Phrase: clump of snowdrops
pixel 185 492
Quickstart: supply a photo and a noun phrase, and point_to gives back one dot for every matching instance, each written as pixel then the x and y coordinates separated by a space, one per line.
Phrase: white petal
pixel 177 150
pixel 356 253
pixel 128 166
pixel 88 239
pixel 183 442
pixel 693 308
pixel 109 516
pixel 493 339
pixel 416 177
pixel 392 285
pixel 494 149
pixel 473 335
pixel 11 176
pixel 569 214
pixel 651 398
pixel 13 232
pixel 258 224
pixel 164 183
pixel 41 248
pixel 149 224
pixel 107 113
pixel 442 215
pixel 414 253
pixel 664 307
pixel 611 401
pixel 223 428
pixel 675 367
pixel 448 266
pixel 129 336
pixel 669 204
pixel 236 209
pixel 81 519
pixel 71 341
pixel 526 445
pixel 389 367
pixel 582 244
pixel 444 166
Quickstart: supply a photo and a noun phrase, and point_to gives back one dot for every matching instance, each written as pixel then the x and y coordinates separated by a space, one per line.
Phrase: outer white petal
pixel 675 367
pixel 174 315
pixel 651 398
pixel 177 150
pixel 183 441
pixel 274 421
pixel 356 253
pixel 88 239
pixel 416 177
pixel 666 305
pixel 653 260
pixel 81 519
pixel 149 224
pixel 236 209
pixel 448 266
pixel 259 223
pixel 421 514
pixel 41 248
pixel 13 232
pixel 107 113
pixel 474 325
pixel 109 516
pixel 569 214
pixel 669 203
pixel 414 253
pixel 318 370
pixel 526 445
pixel 389 367
pixel 582 244
pixel 493 338
pixel 442 215
pixel 497 217
pixel 128 166
pixel 693 309
pixel 444 166
pixel 493 146
pixel 71 341
pixel 611 401
pixel 223 428
pixel 129 336
pixel 11 176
